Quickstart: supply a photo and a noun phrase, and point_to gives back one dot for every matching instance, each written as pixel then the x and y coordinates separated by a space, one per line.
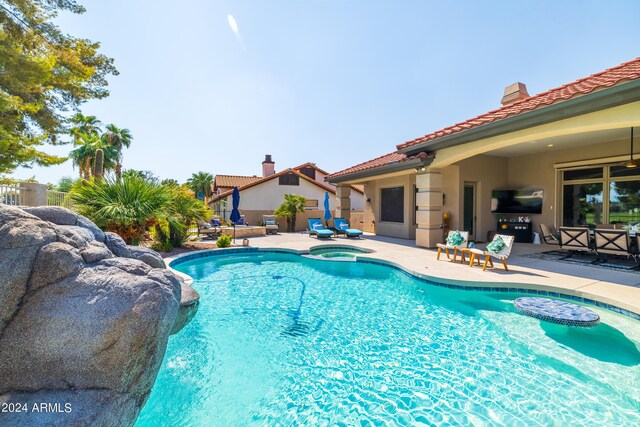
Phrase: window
pixel 600 195
pixel 308 171
pixel 311 203
pixel 624 201
pixel 578 174
pixel 289 179
pixel 582 204
pixel 392 204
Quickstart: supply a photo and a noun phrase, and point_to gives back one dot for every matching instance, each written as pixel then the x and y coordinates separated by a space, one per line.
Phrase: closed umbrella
pixel 235 213
pixel 327 212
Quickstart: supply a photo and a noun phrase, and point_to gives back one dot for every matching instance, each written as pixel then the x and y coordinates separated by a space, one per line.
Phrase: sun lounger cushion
pixel 317 226
pixel 496 245
pixel 454 239
pixel 269 222
pixel 324 233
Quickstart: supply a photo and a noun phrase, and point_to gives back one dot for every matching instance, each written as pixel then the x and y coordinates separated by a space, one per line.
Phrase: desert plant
pixel 128 207
pixel 223 241
pixel 183 209
pixel 292 206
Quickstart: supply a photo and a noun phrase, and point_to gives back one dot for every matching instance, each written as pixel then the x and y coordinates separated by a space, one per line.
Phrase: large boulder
pixel 146 255
pixel 79 324
pixel 62 216
pixel 117 245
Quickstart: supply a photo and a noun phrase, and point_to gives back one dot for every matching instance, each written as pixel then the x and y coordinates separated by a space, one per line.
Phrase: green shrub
pixel 223 241
pixel 129 206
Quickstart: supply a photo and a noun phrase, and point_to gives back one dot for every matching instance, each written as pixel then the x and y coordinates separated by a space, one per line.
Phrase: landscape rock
pixel 85 222
pixel 117 245
pixel 55 214
pixel 80 324
pixel 54 262
pixel 146 255
pixel 189 301
pixel 96 251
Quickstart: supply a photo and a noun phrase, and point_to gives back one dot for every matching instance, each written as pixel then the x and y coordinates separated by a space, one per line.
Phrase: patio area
pixel 619 288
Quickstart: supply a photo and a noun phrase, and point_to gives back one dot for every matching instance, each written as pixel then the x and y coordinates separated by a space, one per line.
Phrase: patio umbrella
pixel 235 213
pixel 327 212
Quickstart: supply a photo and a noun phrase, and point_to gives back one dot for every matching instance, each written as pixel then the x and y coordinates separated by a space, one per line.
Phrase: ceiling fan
pixel 632 163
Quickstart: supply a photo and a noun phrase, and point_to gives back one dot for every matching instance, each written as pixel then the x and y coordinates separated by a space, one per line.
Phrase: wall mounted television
pixel 527 201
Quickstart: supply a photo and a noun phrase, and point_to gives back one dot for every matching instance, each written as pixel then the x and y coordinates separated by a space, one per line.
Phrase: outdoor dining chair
pixel 612 242
pixel 575 239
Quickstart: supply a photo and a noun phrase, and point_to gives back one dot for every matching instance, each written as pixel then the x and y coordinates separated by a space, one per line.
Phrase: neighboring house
pixel 570 145
pixel 262 195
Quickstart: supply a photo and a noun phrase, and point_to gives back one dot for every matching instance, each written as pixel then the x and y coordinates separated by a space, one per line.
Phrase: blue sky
pixel 326 81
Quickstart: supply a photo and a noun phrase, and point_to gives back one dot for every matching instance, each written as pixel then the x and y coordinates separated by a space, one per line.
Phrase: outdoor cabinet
pixel 522 231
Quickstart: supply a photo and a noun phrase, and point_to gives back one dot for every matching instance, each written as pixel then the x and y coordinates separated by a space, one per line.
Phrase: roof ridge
pixel 539 97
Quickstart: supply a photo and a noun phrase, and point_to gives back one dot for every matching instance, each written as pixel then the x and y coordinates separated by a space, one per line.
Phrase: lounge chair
pixel 575 239
pixel 549 235
pixel 208 230
pixel 317 229
pixel 453 242
pixel 612 242
pixel 499 248
pixel 270 223
pixel 342 227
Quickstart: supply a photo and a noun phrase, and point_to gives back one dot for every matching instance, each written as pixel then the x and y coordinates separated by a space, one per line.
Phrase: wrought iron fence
pixel 10 195
pixel 59 198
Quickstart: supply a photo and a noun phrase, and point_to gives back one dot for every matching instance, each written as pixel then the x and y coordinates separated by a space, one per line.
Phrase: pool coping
pixel 584 297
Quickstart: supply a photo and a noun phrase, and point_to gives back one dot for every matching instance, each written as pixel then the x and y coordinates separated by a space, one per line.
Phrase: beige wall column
pixel 343 202
pixel 33 194
pixel 429 204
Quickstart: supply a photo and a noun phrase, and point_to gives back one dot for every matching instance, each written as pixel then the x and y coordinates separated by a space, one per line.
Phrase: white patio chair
pixel 502 254
pixel 446 247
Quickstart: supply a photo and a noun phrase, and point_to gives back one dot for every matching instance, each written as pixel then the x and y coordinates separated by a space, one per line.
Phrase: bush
pixel 223 241
pixel 128 207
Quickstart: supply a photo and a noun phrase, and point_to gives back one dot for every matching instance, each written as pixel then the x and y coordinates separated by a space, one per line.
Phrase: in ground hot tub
pixel 337 252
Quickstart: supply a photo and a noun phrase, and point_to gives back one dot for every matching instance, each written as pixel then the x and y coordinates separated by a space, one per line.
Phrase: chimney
pixel 268 166
pixel 514 92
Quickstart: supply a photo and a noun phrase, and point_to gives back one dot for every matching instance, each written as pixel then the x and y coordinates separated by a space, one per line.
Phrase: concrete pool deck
pixel 617 288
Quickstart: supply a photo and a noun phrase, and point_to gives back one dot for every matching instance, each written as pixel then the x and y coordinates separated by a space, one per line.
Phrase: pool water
pixel 284 340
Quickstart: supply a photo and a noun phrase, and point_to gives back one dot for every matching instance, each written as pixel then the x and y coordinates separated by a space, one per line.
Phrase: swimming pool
pixel 282 340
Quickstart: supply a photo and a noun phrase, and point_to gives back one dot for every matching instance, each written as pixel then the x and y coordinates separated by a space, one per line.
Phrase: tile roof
pixel 269 178
pixel 385 160
pixel 235 180
pixel 607 78
pixel 311 165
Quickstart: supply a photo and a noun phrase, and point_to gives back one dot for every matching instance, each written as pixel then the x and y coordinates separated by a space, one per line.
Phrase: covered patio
pixel 570 147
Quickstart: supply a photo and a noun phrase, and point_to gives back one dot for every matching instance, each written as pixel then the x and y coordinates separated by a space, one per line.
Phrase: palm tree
pixel 292 206
pixel 200 183
pixel 84 125
pixel 119 139
pixel 84 154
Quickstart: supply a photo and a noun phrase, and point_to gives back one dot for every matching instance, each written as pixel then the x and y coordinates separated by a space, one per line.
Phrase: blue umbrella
pixel 235 213
pixel 327 212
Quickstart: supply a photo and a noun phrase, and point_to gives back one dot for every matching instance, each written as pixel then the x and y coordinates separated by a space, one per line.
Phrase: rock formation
pixel 82 329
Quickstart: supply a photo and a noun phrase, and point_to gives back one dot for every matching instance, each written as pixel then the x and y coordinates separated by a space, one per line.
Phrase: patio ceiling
pixel 562 142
